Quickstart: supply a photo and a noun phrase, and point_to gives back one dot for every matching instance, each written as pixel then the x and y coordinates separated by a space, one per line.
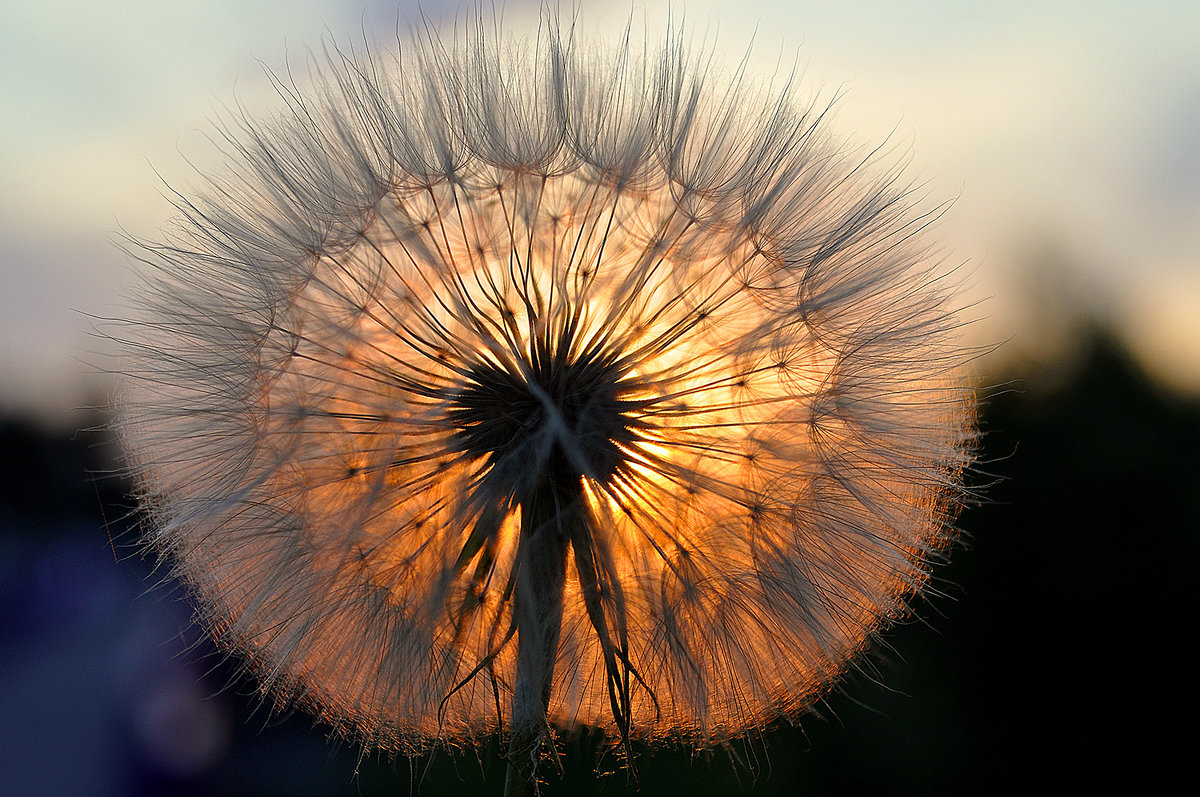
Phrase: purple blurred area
pixel 105 686
pixel 109 704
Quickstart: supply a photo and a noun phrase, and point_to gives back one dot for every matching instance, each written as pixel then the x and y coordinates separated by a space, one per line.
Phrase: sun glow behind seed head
pixel 711 364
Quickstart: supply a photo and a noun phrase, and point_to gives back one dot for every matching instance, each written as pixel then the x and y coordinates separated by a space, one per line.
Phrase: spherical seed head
pixel 481 279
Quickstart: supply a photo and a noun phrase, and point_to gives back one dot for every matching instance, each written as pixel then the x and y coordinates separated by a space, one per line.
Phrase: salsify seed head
pixel 482 348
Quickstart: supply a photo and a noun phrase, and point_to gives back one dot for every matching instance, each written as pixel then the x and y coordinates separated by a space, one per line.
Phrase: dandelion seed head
pixel 482 319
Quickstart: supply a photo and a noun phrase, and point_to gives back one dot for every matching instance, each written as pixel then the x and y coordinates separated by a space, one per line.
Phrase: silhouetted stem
pixel 549 514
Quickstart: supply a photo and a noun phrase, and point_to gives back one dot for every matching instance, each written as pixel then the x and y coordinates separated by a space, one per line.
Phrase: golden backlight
pixel 715 350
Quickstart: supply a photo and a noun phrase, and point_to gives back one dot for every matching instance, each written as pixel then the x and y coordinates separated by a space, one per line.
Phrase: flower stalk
pixel 550 515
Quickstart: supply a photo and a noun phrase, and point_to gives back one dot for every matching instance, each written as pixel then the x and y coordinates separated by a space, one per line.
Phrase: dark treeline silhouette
pixel 1053 651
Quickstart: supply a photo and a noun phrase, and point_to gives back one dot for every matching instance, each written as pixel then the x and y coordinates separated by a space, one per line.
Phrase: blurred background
pixel 1068 135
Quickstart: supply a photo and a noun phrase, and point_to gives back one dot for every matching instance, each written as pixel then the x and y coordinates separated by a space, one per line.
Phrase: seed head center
pixel 551 411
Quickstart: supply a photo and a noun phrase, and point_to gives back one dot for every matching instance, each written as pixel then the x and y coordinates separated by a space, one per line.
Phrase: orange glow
pixel 717 384
pixel 377 495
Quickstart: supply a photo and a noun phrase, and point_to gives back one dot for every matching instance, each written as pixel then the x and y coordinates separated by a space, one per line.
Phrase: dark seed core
pixel 557 413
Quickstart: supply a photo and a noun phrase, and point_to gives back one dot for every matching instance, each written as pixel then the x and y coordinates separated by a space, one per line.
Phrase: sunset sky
pixel 1067 134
